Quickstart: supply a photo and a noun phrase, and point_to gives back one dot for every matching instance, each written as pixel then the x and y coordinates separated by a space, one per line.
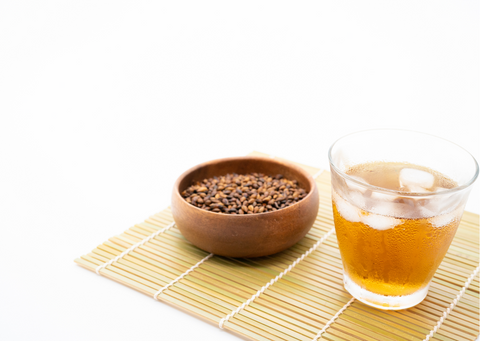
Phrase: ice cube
pixel 416 180
pixel 381 203
pixel 354 186
pixel 357 199
pixel 415 188
pixel 442 220
pixel 441 204
pixel 346 210
pixel 424 212
pixel 355 214
pixel 380 222
pixel 386 208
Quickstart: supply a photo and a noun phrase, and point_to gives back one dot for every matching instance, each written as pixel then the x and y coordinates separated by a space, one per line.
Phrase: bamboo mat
pixel 305 300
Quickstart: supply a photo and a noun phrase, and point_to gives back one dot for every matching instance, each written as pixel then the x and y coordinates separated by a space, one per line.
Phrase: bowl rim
pixel 309 177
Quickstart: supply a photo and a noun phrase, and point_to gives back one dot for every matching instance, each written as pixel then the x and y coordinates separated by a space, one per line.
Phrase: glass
pixel 398 197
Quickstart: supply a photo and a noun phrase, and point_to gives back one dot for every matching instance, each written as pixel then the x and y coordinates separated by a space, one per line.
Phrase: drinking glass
pixel 393 240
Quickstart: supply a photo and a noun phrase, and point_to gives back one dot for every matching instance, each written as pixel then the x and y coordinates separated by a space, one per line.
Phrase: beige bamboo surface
pixel 303 301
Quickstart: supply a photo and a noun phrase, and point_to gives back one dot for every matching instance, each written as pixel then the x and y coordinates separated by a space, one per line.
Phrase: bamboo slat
pixel 304 300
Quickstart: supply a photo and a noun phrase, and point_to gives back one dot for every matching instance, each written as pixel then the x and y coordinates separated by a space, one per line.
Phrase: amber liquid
pixel 393 261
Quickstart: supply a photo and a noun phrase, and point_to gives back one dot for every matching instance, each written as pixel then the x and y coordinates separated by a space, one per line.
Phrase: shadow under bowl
pixel 249 235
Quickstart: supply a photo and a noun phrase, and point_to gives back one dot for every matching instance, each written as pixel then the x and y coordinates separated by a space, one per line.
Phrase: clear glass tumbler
pixel 398 197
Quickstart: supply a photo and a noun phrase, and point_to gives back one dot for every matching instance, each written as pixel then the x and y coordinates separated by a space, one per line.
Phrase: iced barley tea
pixel 398 197
pixel 392 246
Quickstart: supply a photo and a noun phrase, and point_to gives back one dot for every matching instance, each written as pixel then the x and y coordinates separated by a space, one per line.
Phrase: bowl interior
pixel 245 165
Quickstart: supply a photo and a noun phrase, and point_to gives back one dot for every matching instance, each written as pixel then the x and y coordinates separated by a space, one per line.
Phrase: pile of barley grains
pixel 244 194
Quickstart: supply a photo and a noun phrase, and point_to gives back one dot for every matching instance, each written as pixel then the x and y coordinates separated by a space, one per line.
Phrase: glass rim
pixel 391 191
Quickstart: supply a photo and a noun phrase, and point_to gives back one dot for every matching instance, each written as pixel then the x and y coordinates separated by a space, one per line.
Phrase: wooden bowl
pixel 249 235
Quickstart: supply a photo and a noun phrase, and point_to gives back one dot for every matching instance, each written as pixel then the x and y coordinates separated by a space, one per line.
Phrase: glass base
pixel 381 301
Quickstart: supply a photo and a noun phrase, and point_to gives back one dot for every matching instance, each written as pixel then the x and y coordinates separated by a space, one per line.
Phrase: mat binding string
pixel 274 280
pixel 432 332
pixel 133 247
pixel 155 296
pixel 453 304
pixel 324 329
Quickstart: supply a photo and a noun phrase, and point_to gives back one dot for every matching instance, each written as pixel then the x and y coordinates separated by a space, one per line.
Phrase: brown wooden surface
pixel 299 304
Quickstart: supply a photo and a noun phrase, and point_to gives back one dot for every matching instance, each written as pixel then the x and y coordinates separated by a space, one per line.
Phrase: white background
pixel 103 104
